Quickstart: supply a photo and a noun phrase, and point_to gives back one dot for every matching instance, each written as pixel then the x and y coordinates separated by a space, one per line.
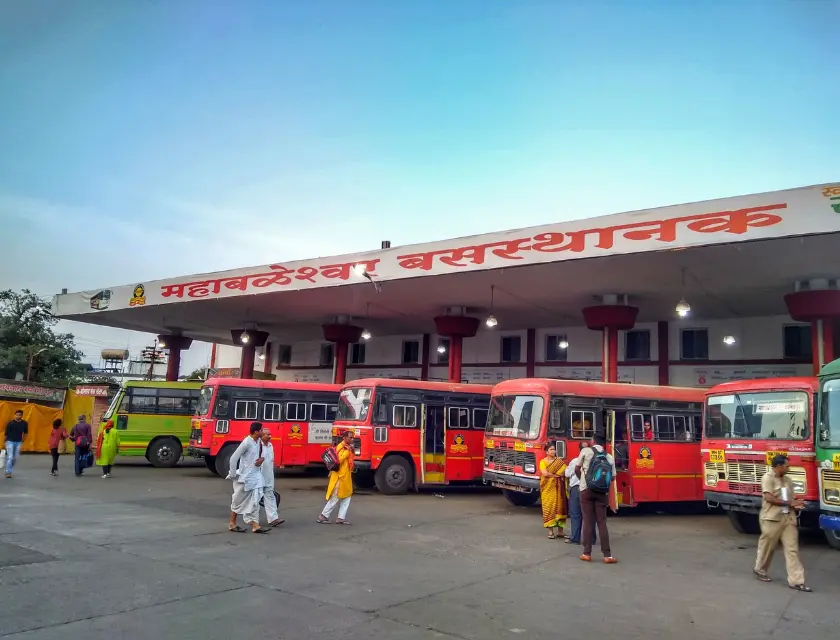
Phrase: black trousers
pixel 106 468
pixel 54 453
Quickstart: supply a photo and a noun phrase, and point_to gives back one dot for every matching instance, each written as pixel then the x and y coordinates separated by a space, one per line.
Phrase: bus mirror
pixel 560 448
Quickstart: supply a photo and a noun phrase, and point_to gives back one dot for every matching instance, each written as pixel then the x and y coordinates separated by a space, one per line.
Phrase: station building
pixel 691 295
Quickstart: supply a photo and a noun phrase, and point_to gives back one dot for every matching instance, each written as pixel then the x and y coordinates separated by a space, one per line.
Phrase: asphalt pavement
pixel 147 554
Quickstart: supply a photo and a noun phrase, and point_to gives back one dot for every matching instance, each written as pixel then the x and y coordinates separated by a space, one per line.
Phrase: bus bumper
pixel 511 483
pixel 198 452
pixel 830 522
pixel 747 504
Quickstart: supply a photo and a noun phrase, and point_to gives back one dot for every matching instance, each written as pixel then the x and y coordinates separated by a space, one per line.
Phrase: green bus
pixel 153 419
pixel 828 452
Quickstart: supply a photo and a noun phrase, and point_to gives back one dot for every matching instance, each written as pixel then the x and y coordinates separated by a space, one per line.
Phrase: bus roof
pixel 271 384
pixel 765 384
pixel 163 384
pixel 399 383
pixel 590 389
pixel 831 368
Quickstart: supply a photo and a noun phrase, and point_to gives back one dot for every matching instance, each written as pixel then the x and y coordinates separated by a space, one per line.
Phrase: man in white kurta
pixel 269 499
pixel 247 479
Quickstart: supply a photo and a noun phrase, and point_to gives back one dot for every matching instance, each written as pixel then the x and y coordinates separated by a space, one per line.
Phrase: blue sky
pixel 151 139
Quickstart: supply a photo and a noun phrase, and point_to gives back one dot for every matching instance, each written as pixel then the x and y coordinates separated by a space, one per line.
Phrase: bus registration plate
pixel 717 455
pixel 835 461
pixel 768 457
pixel 519 446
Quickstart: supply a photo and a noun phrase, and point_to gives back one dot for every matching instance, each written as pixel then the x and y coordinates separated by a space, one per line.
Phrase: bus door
pixel 642 480
pixel 615 494
pixel 432 443
pixel 460 444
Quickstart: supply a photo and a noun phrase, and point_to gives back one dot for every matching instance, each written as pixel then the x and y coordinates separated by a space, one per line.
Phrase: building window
pixel 694 344
pixel 443 358
pixel 327 354
pixel 553 352
pixel 797 338
pixel 637 345
pixel 284 355
pixel 511 349
pixel 357 353
pixel 411 352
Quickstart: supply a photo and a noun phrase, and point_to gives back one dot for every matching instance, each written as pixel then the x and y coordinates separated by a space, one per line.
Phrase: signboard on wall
pixel 710 376
pixel 30 391
pixel 97 391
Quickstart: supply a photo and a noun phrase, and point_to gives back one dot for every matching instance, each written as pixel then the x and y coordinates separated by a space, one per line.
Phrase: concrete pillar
pixel 531 353
pixel 341 335
pixel 175 344
pixel 609 319
pixel 250 340
pixel 664 348
pixel 456 328
pixel 817 302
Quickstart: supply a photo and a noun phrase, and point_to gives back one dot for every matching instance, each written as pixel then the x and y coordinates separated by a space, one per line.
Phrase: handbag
pixel 88 460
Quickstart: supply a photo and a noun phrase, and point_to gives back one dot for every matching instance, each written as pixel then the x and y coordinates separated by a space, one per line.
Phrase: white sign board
pixel 320 433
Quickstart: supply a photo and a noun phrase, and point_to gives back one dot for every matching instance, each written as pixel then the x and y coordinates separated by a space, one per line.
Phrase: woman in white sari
pixel 248 482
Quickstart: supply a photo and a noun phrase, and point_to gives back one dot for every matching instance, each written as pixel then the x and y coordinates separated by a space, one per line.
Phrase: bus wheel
pixel 210 461
pixel 164 452
pixel 393 477
pixel 223 460
pixel 744 522
pixel 519 499
pixel 833 539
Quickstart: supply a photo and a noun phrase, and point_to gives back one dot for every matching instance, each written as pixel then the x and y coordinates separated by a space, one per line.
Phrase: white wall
pixel 757 352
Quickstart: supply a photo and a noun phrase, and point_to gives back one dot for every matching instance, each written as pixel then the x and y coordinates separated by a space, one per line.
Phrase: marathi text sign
pixel 97 391
pixel 30 391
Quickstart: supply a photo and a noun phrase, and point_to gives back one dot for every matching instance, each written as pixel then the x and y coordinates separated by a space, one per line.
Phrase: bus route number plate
pixel 772 454
pixel 717 455
pixel 835 461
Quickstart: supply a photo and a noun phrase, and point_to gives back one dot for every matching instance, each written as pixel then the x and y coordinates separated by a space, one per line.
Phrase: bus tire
pixel 210 461
pixel 164 452
pixel 519 499
pixel 746 523
pixel 833 539
pixel 223 460
pixel 394 476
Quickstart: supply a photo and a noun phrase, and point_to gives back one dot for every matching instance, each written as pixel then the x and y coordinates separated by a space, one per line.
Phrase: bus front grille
pixel 506 459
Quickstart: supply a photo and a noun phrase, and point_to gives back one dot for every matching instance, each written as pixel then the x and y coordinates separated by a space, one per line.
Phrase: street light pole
pixel 31 361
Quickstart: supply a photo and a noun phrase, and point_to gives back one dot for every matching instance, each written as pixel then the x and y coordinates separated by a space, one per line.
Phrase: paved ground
pixel 147 555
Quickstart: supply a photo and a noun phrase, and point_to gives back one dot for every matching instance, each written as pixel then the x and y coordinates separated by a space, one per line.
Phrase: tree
pixel 198 374
pixel 28 342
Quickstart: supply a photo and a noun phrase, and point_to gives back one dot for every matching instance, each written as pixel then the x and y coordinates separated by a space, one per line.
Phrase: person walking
pixel 777 520
pixel 107 448
pixel 82 437
pixel 575 514
pixel 247 482
pixel 597 469
pixel 553 491
pixel 57 437
pixel 267 467
pixel 16 431
pixel 340 487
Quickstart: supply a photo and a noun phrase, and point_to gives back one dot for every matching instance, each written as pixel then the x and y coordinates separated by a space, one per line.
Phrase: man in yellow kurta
pixel 340 488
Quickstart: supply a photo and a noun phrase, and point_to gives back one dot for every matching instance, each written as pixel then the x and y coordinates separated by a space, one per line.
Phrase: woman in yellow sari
pixel 553 492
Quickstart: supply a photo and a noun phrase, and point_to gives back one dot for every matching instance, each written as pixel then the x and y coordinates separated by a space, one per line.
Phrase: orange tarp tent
pixel 40 419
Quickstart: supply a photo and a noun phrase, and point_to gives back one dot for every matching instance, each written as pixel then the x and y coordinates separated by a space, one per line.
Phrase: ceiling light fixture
pixel 728 340
pixel 365 335
pixel 683 308
pixel 441 348
pixel 563 344
pixel 491 319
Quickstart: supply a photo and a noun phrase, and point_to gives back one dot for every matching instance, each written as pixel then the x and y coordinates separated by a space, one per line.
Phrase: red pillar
pixel 246 364
pixel 531 354
pixel 175 344
pixel 341 335
pixel 250 340
pixel 456 328
pixel 609 319
pixel 820 307
pixel 664 346
pixel 424 358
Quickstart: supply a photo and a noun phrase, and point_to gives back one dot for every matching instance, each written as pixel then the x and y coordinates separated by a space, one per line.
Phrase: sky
pixel 144 140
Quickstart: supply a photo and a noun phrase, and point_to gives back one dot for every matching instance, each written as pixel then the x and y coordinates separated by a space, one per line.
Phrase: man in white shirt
pixel 594 503
pixel 269 499
pixel 247 482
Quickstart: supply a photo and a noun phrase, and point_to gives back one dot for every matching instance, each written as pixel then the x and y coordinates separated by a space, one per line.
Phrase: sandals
pixel 276 523
pixel 237 529
pixel 323 521
pixel 804 588
pixel 762 577
pixel 551 536
pixel 344 522
pixel 261 530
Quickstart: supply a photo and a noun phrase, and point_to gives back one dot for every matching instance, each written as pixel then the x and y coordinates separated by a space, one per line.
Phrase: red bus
pixel 411 432
pixel 746 424
pixel 300 416
pixel 653 433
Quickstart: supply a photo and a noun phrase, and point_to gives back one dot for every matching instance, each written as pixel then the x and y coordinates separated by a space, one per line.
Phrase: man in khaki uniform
pixel 778 524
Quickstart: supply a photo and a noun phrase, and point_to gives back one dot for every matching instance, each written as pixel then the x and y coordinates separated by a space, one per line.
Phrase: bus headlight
pixel 798 486
pixel 711 479
pixel 530 468
pixel 486 462
pixel 832 496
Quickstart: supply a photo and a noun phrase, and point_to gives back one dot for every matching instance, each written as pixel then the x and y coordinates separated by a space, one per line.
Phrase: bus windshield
pixel 830 430
pixel 768 415
pixel 354 404
pixel 113 406
pixel 204 401
pixel 515 416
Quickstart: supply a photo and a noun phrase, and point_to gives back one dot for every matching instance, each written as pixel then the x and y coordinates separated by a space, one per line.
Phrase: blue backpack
pixel 599 476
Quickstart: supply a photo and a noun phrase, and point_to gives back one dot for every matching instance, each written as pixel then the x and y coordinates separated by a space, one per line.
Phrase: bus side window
pixel 245 410
pixel 665 429
pixel 480 419
pixel 556 426
pixel 458 418
pixel 583 424
pixel 123 408
pixel 637 425
pixel 222 404
pixel 272 411
pixel 380 411
pixel 405 416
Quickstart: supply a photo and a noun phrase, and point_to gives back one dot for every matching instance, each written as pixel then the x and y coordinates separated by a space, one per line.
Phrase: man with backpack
pixel 340 488
pixel 597 471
